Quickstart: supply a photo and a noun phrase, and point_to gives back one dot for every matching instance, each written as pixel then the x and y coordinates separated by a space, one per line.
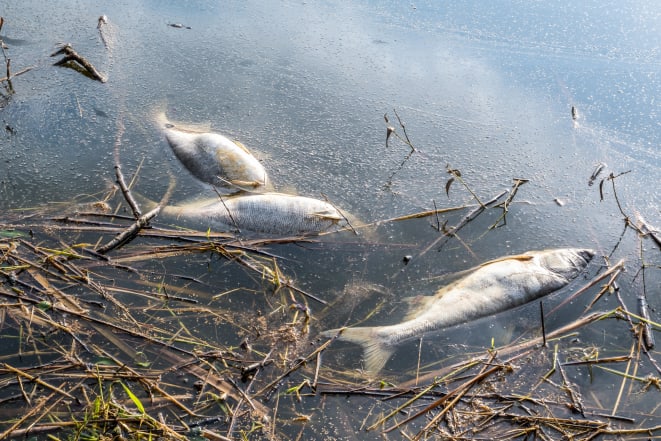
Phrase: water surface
pixel 485 89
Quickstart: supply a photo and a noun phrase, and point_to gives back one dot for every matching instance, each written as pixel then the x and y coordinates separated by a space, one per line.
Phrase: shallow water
pixel 486 89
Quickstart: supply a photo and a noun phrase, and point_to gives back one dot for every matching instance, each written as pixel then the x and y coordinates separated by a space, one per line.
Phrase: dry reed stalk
pixel 454 396
pixel 269 388
pixel 528 345
pixel 615 269
pixel 38 381
pixel 29 414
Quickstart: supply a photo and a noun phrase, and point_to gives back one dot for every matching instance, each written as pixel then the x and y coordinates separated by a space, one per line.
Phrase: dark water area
pixel 484 88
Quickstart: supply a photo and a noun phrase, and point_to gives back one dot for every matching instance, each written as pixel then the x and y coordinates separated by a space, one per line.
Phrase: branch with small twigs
pixel 452 231
pixel 137 213
pixel 8 63
pixel 643 229
pixel 390 131
pixel 141 221
pixel 456 175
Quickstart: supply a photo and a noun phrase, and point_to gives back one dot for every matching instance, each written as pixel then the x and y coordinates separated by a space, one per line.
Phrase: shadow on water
pixel 189 334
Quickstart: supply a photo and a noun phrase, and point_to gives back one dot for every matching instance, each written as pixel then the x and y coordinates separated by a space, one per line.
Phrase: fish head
pixel 566 262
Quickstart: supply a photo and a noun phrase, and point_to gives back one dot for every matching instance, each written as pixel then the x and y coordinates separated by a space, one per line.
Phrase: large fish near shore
pixel 214 159
pixel 493 287
pixel 270 213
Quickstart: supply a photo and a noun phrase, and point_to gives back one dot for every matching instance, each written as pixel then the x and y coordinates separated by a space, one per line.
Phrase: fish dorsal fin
pixel 519 257
pixel 417 304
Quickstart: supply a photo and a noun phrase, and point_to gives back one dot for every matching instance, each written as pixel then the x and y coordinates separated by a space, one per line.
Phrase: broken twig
pixel 71 55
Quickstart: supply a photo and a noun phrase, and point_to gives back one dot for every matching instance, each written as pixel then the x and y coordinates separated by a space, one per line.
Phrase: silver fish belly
pixel 493 287
pixel 215 159
pixel 270 213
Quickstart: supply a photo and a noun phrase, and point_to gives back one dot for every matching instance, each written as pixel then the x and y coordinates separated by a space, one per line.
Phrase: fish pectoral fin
pixel 327 215
pixel 240 183
pixel 416 304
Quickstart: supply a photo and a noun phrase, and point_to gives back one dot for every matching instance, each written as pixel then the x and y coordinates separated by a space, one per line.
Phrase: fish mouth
pixel 585 254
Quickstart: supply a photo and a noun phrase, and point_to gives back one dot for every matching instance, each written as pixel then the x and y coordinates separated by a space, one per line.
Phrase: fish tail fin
pixel 162 121
pixel 376 352
pixel 160 118
pixel 158 114
pixel 144 202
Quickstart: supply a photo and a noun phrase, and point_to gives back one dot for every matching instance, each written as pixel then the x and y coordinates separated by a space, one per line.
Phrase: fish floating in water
pixel 270 213
pixel 214 159
pixel 493 287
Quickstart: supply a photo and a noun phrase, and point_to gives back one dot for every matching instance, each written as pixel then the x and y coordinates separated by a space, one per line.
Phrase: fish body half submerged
pixel 270 213
pixel 214 159
pixel 493 287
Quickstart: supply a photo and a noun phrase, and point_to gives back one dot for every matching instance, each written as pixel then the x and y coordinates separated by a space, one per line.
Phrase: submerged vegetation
pixel 103 339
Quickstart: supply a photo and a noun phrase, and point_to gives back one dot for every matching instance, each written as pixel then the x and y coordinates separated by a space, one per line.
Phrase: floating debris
pixel 178 26
pixel 597 171
pixel 70 55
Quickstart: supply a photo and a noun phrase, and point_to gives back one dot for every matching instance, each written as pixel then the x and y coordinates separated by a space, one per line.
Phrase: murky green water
pixel 486 89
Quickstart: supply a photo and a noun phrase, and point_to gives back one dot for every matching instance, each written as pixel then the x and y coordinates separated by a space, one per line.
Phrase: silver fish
pixel 493 287
pixel 214 159
pixel 271 213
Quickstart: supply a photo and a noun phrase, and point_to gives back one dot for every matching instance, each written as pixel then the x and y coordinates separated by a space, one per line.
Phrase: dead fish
pixel 493 287
pixel 214 159
pixel 270 213
pixel 597 171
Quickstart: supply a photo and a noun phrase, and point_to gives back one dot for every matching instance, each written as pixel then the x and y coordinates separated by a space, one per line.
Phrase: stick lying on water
pixel 137 213
pixel 71 55
pixel 614 271
pixel 141 220
pixel 130 233
pixel 13 75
